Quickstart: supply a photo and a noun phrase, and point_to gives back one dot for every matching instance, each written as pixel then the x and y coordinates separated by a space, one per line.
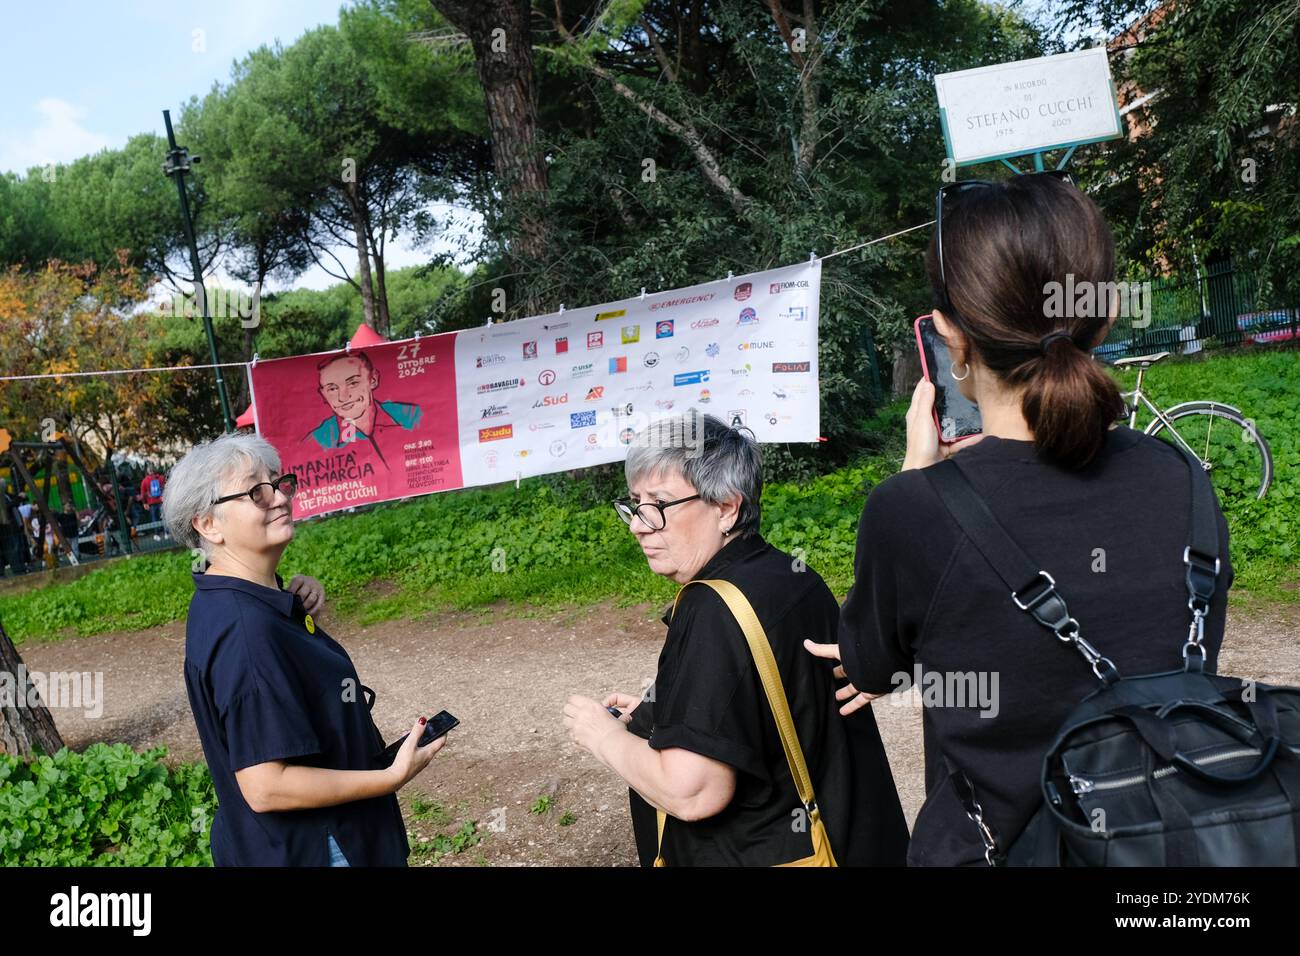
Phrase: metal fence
pixel 1219 306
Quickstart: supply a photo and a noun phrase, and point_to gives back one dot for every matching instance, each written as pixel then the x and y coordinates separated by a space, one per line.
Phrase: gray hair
pixel 718 461
pixel 197 479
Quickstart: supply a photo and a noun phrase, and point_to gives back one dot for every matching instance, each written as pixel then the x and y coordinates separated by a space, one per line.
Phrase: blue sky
pixel 79 76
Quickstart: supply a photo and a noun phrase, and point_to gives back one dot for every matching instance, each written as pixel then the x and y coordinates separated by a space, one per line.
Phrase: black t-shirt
pixel 1111 534
pixel 265 684
pixel 708 698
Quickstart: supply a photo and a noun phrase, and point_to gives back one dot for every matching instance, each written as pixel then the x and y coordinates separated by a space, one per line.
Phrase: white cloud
pixel 59 137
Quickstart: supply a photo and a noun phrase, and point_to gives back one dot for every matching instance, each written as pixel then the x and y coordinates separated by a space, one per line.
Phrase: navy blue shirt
pixel 263 687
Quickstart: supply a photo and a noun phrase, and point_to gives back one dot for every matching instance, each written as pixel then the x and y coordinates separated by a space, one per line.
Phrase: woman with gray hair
pixel 713 779
pixel 290 745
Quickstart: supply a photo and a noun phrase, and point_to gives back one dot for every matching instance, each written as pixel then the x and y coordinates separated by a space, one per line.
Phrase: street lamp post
pixel 177 165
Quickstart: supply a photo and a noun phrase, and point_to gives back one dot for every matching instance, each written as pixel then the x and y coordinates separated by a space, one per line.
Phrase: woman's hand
pixel 411 759
pixel 624 702
pixel 310 590
pixel 923 445
pixel 589 723
pixel 856 699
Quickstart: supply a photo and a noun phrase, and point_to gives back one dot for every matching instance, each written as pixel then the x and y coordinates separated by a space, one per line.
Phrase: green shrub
pixel 107 806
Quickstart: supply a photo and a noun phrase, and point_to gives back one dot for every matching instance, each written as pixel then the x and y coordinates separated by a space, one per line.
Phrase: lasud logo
pixel 496 433
pixel 791 366
pixel 548 401
pixel 595 340
pixel 743 291
pixel 582 419
pixel 747 317
pixel 664 329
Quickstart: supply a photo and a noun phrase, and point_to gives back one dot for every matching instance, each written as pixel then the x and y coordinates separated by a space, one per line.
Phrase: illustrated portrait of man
pixel 347 385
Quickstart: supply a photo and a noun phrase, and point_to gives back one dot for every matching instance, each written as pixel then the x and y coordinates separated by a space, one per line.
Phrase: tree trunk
pixel 381 296
pixel 807 57
pixel 65 483
pixel 363 256
pixel 907 371
pixel 505 71
pixel 22 728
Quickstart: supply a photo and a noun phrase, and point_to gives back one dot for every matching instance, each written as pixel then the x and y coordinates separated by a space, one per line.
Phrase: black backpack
pixel 1182 768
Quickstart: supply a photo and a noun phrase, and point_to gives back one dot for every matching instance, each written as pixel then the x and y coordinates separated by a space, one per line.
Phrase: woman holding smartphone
pixel 280 711
pixel 1106 508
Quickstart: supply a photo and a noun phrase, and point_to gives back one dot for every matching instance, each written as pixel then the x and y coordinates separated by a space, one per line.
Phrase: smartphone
pixel 956 417
pixel 436 727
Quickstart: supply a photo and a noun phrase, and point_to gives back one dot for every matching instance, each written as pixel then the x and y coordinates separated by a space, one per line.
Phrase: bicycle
pixel 1238 464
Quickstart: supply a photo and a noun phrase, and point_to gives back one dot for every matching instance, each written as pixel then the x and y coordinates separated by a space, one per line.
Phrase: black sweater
pixel 923 595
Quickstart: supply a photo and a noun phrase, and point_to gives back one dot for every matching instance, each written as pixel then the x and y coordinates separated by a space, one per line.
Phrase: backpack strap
pixel 1033 591
pixel 1202 559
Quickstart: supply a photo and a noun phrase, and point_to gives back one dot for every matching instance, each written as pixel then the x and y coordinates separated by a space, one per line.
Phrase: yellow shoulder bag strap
pixel 761 650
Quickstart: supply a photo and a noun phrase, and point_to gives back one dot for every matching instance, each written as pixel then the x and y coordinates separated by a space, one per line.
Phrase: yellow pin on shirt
pixel 311 625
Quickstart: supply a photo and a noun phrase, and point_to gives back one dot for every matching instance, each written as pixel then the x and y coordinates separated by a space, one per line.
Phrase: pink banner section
pixel 362 425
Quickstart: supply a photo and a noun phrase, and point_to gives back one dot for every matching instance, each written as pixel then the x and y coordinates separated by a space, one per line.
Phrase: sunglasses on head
pixel 954 190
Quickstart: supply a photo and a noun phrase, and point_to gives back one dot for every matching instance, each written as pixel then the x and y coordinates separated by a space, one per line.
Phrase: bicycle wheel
pixel 1230 448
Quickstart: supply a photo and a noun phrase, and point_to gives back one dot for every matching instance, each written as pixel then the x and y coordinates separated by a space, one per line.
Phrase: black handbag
pixel 1182 768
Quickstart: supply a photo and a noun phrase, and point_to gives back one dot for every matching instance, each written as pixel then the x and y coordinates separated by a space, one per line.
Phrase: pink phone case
pixel 925 370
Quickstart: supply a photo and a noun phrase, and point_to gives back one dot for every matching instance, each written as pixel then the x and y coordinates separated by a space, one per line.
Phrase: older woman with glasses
pixel 279 707
pixel 701 752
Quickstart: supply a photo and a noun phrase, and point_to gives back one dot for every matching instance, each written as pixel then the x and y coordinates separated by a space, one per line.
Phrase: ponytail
pixel 1004 247
pixel 1069 404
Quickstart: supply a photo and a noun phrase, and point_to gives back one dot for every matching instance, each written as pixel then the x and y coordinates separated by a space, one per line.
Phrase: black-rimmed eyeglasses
pixel 263 493
pixel 953 191
pixel 650 512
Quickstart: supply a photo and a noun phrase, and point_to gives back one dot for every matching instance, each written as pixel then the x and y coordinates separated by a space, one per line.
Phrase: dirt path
pixel 506 677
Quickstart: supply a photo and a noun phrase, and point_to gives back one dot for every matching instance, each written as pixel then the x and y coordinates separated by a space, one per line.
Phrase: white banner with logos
pixel 570 389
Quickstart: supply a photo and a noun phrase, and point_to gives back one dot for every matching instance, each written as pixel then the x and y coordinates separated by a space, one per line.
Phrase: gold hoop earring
pixel 952 369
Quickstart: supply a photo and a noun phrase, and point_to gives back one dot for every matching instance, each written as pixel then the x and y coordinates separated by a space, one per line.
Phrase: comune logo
pixel 103 909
